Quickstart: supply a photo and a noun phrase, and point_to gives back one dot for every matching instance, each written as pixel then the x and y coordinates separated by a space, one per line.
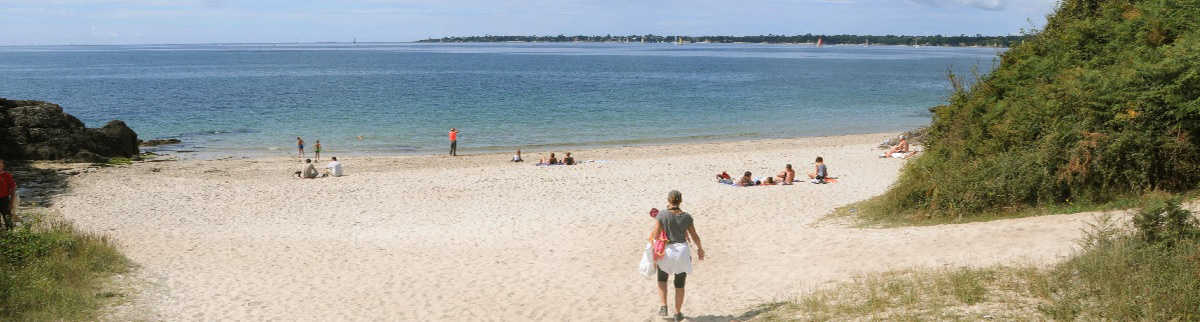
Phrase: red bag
pixel 660 243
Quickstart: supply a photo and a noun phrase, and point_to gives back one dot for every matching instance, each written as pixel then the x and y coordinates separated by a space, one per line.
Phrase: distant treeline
pixel 938 40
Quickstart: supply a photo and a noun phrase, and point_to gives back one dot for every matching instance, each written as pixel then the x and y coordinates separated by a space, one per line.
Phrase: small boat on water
pixel 820 42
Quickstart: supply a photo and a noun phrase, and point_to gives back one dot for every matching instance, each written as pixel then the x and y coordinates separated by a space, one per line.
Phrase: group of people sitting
pixel 819 175
pixel 552 160
pixel 309 169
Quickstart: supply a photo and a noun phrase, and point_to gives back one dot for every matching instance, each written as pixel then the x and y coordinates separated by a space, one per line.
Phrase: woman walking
pixel 677 257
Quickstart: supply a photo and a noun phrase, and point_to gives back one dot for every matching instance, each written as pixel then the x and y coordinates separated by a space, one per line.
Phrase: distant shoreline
pixel 866 40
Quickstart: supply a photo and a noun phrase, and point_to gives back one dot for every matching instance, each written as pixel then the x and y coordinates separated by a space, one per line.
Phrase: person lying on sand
pixel 769 181
pixel 724 178
pixel 746 181
pixel 787 176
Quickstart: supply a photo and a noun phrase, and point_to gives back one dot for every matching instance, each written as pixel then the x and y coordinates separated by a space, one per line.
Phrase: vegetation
pixel 937 40
pixel 1102 104
pixel 52 272
pixel 1149 273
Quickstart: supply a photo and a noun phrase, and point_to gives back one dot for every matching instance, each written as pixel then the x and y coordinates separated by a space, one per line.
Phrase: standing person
pixel 677 257
pixel 453 141
pixel 820 172
pixel 8 190
pixel 317 150
pixel 300 146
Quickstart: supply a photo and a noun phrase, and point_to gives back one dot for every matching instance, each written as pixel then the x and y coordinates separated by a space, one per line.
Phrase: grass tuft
pixel 51 271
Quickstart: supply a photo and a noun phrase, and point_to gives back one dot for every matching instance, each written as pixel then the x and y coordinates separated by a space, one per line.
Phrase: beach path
pixel 479 238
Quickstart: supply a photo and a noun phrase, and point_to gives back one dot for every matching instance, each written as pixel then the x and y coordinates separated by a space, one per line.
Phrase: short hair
pixel 789 166
pixel 307 160
pixel 747 173
pixel 820 160
pixel 568 153
pixel 334 158
pixel 551 154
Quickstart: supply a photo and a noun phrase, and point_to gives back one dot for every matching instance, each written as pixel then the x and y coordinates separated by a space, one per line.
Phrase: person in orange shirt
pixel 453 141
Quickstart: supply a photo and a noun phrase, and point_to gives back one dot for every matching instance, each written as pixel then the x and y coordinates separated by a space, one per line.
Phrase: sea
pixel 249 100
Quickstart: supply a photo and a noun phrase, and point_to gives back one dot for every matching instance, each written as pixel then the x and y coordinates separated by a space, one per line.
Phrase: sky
pixel 113 22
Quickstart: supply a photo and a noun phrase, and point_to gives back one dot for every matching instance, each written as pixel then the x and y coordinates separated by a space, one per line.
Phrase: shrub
pixel 1104 103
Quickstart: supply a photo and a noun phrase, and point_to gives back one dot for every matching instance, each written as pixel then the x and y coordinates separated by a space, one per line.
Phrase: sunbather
pixel 787 176
pixel 746 181
pixel 819 172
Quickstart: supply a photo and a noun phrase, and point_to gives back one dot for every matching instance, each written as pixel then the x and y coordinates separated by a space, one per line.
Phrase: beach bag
pixel 647 268
pixel 660 245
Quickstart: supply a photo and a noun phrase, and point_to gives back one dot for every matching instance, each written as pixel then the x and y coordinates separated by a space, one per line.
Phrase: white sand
pixel 477 237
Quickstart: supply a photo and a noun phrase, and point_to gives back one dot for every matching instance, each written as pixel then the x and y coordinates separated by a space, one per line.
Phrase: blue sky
pixel 59 22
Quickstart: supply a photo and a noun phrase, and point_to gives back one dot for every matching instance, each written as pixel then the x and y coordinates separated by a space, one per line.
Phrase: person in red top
pixel 453 141
pixel 8 189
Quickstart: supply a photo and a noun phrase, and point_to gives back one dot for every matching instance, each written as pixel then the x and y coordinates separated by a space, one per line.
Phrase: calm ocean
pixel 255 99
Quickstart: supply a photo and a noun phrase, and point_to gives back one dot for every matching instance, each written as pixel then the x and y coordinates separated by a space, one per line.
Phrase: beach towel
pixel 676 259
pixel 646 268
pixel 547 165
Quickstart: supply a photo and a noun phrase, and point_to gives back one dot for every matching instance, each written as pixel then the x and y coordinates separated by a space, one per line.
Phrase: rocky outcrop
pixel 36 130
pixel 157 142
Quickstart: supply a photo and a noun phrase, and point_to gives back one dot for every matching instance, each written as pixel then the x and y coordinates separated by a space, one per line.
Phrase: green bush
pixel 1104 103
pixel 53 272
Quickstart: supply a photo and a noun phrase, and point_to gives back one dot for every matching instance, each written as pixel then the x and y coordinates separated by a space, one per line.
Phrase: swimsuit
pixel 317 149
pixel 300 146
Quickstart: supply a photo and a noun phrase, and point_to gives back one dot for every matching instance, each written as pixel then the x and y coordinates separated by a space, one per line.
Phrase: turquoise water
pixel 255 99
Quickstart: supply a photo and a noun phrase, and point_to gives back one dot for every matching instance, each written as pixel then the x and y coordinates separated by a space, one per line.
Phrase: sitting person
pixel 568 160
pixel 746 181
pixel 517 157
pixel 334 168
pixel 820 172
pixel 308 170
pixel 899 150
pixel 787 176
pixel 552 159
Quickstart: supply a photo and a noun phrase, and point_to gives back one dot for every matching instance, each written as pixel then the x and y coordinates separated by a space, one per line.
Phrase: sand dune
pixel 478 238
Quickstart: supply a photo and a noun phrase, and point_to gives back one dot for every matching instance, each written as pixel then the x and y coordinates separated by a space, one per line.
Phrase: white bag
pixel 646 268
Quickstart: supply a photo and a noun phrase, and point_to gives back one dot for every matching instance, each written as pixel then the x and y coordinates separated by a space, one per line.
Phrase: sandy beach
pixel 476 237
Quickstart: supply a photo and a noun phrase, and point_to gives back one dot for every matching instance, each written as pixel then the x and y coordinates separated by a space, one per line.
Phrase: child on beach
pixel 300 146
pixel 317 150
pixel 819 172
pixel 517 157
pixel 677 257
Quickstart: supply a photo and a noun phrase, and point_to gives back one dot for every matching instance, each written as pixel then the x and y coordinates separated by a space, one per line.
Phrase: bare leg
pixel 662 292
pixel 678 299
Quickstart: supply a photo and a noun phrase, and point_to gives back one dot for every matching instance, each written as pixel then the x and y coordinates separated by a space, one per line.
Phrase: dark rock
pixel 36 130
pixel 155 142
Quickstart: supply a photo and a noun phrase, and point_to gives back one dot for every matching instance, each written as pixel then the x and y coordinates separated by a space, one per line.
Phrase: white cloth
pixel 646 268
pixel 335 168
pixel 676 259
